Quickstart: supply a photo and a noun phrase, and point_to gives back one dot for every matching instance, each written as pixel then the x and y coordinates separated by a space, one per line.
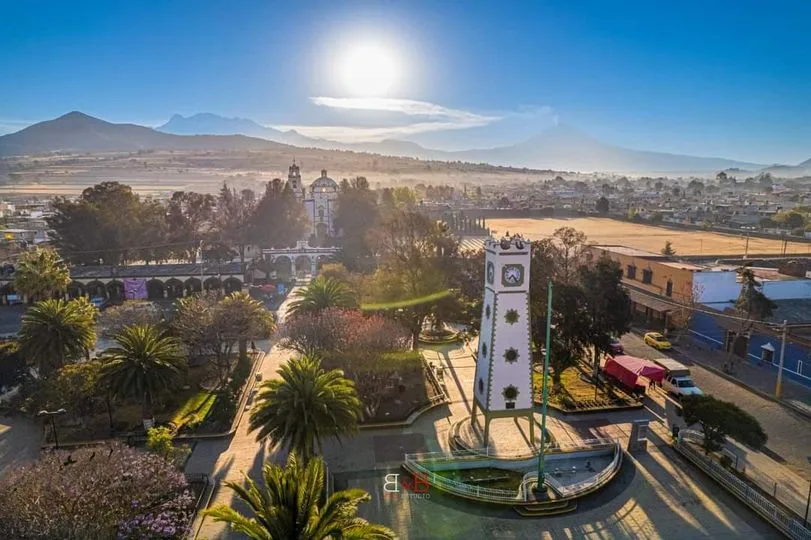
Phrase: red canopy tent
pixel 627 369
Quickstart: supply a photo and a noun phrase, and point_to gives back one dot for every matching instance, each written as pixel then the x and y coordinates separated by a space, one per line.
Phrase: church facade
pixel 320 201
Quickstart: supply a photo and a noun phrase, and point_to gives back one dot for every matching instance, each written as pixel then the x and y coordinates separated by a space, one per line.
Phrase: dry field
pixel 647 237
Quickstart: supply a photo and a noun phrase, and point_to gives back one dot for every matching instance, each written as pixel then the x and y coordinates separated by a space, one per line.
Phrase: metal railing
pixel 414 463
pixel 777 516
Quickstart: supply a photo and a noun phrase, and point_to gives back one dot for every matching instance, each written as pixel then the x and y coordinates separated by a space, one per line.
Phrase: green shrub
pixel 726 461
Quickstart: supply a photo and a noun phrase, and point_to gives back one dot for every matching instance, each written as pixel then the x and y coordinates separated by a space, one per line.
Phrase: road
pixel 789 433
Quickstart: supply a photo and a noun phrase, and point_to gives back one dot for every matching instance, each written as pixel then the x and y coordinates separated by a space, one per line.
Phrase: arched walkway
pixel 155 289
pixel 212 284
pixel 283 266
pixel 303 265
pixel 321 261
pixel 115 291
pixel 76 289
pixel 174 288
pixel 192 286
pixel 232 285
pixel 96 289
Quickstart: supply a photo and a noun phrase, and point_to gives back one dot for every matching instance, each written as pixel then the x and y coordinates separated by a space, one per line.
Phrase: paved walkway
pixel 20 439
pixel 228 459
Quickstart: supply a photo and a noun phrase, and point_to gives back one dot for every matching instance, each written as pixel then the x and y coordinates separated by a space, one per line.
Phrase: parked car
pixel 677 381
pixel 99 303
pixel 657 341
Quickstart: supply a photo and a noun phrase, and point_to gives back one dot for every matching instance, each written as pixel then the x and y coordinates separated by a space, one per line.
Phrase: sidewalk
pixel 760 379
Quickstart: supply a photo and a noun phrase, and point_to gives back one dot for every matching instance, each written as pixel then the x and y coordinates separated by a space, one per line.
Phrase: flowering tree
pixel 368 348
pixel 100 492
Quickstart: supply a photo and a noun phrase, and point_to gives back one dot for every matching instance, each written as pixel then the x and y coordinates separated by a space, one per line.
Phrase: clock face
pixel 491 273
pixel 512 275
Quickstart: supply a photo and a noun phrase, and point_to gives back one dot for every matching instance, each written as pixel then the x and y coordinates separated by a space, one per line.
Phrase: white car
pixel 680 385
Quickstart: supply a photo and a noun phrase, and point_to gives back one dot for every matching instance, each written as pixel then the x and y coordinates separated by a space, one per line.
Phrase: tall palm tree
pixel 305 406
pixel 323 293
pixel 292 507
pixel 56 332
pixel 41 273
pixel 144 365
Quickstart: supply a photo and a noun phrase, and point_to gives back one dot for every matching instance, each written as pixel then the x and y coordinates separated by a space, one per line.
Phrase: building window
pixel 669 289
pixel 487 312
pixel 647 276
pixel 511 316
pixel 481 386
pixel 484 350
pixel 630 272
pixel 511 355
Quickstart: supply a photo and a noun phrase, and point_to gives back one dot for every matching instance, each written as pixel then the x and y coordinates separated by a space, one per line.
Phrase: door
pixel 766 355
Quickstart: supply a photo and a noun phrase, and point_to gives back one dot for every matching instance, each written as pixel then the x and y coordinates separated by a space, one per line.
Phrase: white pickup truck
pixel 677 381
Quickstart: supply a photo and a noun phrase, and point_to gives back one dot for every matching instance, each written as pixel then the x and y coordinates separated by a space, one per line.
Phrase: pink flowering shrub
pixel 110 491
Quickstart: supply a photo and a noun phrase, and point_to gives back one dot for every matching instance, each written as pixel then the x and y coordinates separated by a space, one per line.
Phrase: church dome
pixel 321 184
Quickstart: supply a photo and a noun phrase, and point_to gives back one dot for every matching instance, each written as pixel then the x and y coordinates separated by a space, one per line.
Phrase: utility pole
pixel 779 387
pixel 540 487
pixel 746 249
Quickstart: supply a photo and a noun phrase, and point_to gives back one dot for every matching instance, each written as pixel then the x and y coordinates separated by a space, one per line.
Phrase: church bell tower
pixel 294 181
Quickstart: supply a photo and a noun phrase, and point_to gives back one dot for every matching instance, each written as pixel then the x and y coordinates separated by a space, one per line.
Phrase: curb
pixel 755 391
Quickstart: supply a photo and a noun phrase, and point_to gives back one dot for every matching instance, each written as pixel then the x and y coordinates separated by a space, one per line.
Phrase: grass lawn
pixel 194 409
pixel 577 394
pixel 488 477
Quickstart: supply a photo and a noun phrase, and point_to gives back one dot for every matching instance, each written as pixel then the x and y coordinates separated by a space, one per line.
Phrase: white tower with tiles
pixel 503 383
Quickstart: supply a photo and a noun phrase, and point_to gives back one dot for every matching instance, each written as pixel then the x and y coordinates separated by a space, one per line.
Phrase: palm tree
pixel 292 507
pixel 306 405
pixel 144 365
pixel 56 332
pixel 323 293
pixel 41 273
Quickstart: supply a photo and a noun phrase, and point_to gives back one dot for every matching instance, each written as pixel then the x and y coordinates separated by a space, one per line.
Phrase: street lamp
pixel 52 415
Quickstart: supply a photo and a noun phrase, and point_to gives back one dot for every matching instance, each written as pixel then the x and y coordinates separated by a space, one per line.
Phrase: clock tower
pixel 503 383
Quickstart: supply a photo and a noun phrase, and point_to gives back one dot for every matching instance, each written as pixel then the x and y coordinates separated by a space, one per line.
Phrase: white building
pixel 320 200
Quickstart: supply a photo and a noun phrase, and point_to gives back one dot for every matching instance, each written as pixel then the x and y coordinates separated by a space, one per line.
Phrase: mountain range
pixel 561 147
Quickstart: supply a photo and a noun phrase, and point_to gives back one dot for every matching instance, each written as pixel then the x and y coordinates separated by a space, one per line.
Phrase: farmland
pixel 648 237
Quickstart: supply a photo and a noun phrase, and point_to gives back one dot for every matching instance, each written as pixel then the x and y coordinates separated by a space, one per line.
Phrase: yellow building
pixel 654 282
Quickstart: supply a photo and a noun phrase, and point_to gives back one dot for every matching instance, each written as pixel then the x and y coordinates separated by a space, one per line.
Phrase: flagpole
pixel 540 487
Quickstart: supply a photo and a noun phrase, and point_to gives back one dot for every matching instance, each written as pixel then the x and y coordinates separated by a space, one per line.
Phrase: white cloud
pixel 434 118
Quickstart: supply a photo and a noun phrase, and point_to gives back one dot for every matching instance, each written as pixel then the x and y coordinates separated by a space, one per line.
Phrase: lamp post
pixel 540 487
pixel 52 415
pixel 779 386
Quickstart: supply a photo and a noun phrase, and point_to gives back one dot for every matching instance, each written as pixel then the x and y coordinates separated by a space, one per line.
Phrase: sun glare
pixel 368 71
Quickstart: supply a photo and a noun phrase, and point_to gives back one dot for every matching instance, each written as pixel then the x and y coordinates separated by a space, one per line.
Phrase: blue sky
pixel 729 79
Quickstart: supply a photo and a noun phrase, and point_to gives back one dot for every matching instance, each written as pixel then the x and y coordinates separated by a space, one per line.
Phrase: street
pixel 789 433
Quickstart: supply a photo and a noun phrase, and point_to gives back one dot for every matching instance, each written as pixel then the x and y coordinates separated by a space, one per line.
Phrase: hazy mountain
pixel 79 132
pixel 565 148
pixel 559 148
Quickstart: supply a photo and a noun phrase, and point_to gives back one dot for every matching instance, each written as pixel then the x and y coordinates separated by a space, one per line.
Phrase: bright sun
pixel 368 71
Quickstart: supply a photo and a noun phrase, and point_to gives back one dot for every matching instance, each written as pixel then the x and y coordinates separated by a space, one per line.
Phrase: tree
pixel 322 293
pixel 304 406
pixel 291 505
pixel 191 221
pixel 235 210
pixel 336 271
pixel 144 365
pixel 110 491
pixel 279 219
pixel 114 319
pixel 40 274
pixel 55 332
pixel 719 419
pixel 602 205
pixel 356 214
pixel 668 250
pixel 12 365
pixel 210 325
pixel 75 388
pixel 242 319
pixel 751 306
pixel 417 255
pixel 103 225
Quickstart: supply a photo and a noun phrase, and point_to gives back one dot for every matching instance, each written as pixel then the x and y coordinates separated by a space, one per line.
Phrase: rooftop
pixel 629 251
